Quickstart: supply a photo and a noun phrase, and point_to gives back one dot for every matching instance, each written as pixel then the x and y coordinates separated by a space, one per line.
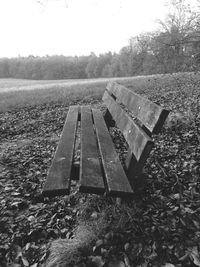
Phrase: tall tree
pixel 180 32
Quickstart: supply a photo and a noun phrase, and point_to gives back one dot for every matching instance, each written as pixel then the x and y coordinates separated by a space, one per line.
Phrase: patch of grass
pixel 99 220
pixel 92 219
pixel 18 93
pixel 20 84
pixel 19 99
pixel 23 93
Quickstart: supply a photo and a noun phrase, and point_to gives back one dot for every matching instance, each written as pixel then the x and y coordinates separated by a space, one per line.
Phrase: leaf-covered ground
pixel 159 227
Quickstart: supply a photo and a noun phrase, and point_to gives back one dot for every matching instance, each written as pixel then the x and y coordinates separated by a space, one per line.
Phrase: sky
pixel 73 27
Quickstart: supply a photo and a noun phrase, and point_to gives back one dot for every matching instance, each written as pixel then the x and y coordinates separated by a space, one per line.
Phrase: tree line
pixel 174 47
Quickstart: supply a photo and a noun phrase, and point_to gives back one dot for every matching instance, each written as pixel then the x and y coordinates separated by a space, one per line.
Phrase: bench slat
pixel 149 113
pixel 139 142
pixel 117 182
pixel 58 179
pixel 91 178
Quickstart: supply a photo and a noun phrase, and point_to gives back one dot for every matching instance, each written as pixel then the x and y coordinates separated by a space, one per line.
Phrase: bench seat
pixel 100 168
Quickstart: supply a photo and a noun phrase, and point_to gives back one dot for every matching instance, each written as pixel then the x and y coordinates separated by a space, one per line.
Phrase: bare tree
pixel 180 31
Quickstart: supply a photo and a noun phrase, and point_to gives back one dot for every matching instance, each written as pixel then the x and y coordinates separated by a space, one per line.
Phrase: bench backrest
pixel 138 135
pixel 150 114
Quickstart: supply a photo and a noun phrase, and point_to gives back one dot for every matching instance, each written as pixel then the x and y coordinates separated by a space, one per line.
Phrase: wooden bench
pixel 101 171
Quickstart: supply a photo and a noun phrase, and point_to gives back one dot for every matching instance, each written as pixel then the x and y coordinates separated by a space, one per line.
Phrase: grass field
pixel 20 93
pixel 160 227
pixel 20 84
pixel 16 93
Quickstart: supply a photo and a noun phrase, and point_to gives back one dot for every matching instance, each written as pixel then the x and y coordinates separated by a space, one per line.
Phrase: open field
pixel 7 85
pixel 159 227
pixel 20 93
pixel 20 84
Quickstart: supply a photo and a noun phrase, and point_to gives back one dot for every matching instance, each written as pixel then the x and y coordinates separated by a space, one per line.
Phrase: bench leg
pixel 109 120
pixel 132 166
pixel 135 172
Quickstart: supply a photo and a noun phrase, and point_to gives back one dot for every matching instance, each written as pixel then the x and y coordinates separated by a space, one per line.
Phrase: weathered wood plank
pixel 117 182
pixel 139 142
pixel 91 176
pixel 149 113
pixel 58 178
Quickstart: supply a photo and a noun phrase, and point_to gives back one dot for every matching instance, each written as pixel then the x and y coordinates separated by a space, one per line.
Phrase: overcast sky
pixel 73 27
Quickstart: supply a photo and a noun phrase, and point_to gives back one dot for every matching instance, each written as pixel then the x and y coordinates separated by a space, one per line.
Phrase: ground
pixel 159 227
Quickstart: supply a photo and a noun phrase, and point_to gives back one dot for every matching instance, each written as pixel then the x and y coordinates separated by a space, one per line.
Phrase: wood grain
pixel 150 114
pixel 117 182
pixel 91 176
pixel 58 178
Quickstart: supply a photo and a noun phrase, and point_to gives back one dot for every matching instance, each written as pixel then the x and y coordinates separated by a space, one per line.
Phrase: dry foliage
pixel 159 227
